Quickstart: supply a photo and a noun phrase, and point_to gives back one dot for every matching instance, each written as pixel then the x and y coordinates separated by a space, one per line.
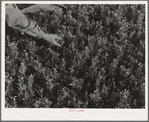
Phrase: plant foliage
pixel 101 63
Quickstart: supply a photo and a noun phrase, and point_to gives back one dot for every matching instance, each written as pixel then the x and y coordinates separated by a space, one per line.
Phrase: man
pixel 18 21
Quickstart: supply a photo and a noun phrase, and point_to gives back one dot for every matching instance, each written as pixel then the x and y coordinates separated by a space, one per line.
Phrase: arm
pixel 18 21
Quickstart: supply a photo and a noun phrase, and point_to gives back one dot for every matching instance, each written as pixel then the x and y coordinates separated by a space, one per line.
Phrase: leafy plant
pixel 101 63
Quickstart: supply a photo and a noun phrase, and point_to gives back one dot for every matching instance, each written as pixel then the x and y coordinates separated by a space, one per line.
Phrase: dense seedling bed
pixel 101 63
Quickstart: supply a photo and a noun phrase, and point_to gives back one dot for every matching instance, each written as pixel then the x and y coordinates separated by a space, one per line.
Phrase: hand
pixel 52 38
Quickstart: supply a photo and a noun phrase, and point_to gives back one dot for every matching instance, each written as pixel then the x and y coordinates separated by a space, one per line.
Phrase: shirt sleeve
pixel 18 21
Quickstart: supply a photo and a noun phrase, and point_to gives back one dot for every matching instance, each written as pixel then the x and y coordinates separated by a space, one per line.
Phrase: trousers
pixel 18 21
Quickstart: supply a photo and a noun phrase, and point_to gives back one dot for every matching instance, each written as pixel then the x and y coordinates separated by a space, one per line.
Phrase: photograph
pixel 75 56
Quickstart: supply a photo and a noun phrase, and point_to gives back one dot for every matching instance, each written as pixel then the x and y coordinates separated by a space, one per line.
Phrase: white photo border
pixel 39 114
